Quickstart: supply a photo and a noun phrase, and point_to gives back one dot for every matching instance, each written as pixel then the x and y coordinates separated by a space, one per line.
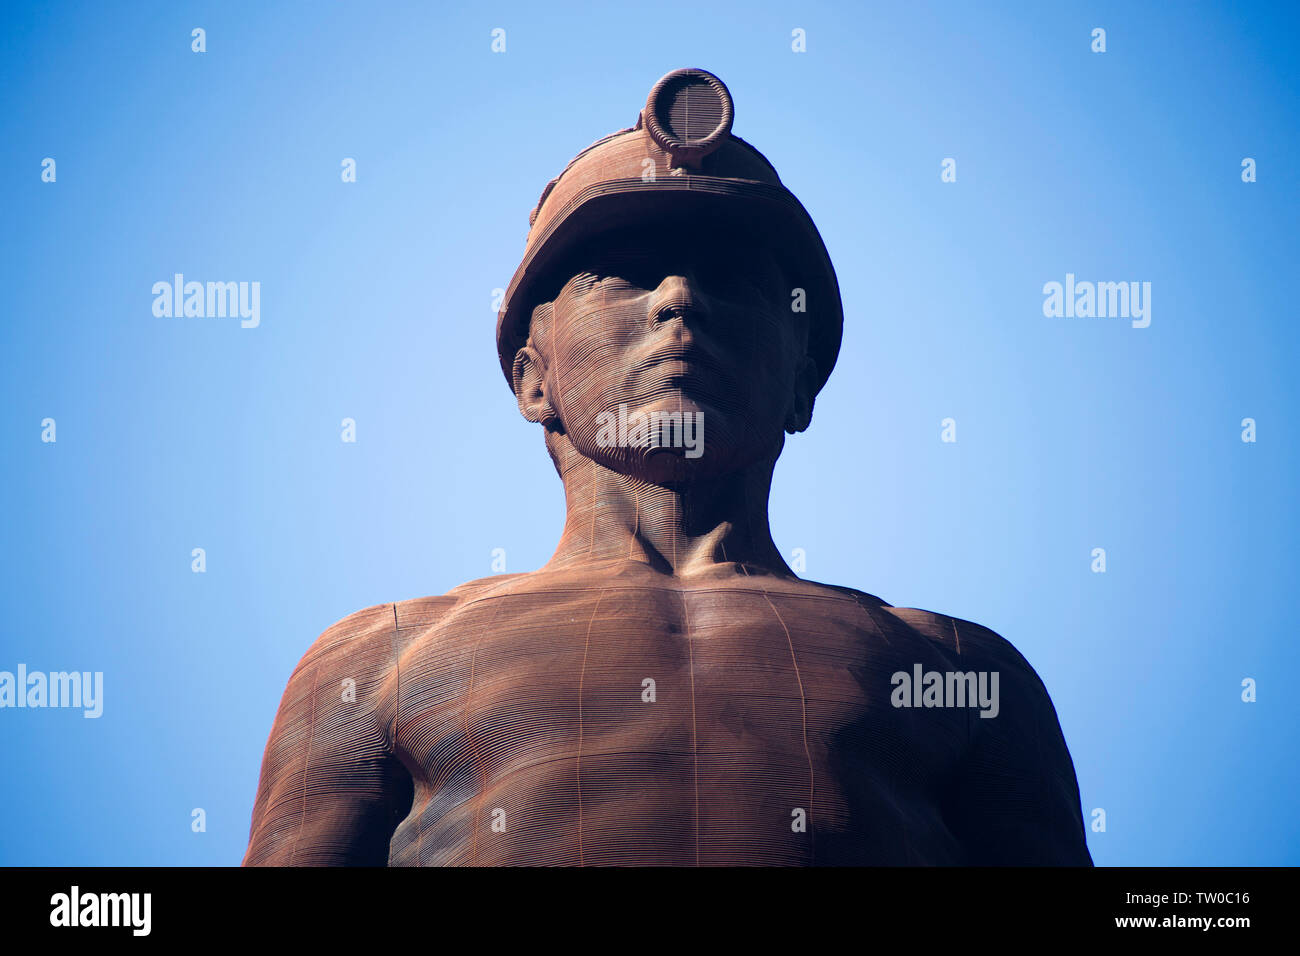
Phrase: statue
pixel 665 690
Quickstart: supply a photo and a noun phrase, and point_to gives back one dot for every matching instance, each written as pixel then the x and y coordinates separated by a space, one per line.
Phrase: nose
pixel 676 298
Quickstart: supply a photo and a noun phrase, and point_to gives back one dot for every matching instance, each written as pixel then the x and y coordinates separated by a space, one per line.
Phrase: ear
pixel 799 416
pixel 529 376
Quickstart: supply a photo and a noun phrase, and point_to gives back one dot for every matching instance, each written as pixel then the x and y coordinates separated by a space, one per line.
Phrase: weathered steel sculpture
pixel 665 690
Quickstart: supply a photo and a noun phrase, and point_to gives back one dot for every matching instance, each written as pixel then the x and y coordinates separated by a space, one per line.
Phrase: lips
pixel 680 364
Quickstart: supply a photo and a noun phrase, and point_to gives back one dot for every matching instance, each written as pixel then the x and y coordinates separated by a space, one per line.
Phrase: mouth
pixel 680 365
pixel 692 382
pixel 678 371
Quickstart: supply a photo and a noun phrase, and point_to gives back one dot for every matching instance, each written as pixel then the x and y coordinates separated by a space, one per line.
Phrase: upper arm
pixel 1014 799
pixel 331 791
pixel 1018 798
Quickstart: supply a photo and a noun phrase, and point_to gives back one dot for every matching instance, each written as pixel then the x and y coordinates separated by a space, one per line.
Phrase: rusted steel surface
pixel 665 690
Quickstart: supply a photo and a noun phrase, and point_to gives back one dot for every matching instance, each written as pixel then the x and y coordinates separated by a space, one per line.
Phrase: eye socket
pixel 604 281
pixel 581 284
pixel 635 272
pixel 728 266
pixel 747 277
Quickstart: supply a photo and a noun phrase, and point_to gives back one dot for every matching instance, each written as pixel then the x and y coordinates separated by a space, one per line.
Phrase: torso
pixel 527 724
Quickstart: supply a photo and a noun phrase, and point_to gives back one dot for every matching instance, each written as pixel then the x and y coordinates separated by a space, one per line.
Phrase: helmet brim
pixel 755 208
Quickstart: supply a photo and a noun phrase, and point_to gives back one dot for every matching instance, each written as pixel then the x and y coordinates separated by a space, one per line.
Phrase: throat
pixel 680 531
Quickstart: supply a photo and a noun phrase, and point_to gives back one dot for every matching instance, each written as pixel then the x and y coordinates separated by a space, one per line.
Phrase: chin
pixel 672 467
pixel 674 438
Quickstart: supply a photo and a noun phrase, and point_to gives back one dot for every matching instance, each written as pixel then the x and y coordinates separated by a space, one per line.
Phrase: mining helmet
pixel 679 159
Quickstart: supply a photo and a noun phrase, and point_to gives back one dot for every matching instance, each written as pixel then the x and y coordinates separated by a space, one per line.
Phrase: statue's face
pixel 675 355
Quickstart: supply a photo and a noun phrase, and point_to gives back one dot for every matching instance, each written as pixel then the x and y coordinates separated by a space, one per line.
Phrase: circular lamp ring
pixel 688 115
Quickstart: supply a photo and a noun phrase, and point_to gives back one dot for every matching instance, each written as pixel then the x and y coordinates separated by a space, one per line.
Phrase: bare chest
pixel 717 724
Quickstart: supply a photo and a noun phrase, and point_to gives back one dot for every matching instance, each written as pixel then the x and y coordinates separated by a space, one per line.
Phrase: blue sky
pixel 376 305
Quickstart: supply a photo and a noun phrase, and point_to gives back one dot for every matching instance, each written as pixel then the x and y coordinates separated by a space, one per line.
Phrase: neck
pixel 678 530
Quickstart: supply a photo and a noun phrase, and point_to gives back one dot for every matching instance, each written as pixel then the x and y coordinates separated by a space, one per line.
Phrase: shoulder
pixel 347 637
pixel 968 640
pixel 378 631
pixel 357 657
pixel 973 647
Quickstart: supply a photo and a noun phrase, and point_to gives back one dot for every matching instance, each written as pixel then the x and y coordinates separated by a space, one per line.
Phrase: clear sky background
pixel 376 305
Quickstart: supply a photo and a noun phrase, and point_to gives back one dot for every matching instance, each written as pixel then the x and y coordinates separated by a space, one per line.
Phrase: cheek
pixel 770 350
pixel 592 338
